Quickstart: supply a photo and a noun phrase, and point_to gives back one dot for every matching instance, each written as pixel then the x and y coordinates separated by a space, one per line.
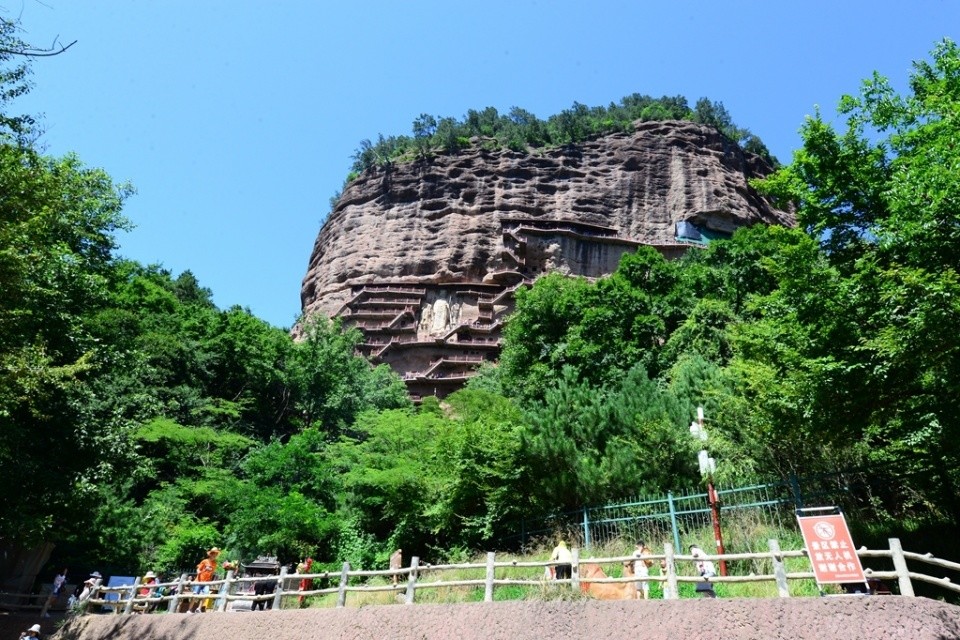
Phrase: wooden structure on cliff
pixel 436 335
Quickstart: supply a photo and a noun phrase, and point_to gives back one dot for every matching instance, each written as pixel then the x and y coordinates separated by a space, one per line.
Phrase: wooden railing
pixel 18 602
pixel 677 569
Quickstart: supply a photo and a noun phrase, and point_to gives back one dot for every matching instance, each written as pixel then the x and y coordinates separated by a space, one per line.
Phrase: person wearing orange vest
pixel 205 572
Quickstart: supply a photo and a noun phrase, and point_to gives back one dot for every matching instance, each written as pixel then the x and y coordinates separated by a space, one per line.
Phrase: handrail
pixel 677 569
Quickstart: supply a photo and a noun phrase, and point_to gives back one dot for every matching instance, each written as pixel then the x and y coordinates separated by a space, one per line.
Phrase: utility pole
pixel 707 468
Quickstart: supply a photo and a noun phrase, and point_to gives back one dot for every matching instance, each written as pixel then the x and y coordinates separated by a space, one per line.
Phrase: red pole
pixel 715 517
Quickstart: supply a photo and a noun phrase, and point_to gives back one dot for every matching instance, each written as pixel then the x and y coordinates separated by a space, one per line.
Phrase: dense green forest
pixel 521 130
pixel 141 424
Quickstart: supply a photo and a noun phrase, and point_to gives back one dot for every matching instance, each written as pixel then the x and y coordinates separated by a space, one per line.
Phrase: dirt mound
pixel 731 619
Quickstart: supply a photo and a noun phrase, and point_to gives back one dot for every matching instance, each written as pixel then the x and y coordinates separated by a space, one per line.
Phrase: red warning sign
pixel 831 550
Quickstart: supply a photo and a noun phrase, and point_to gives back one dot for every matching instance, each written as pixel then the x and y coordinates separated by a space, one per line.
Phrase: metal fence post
pixel 779 570
pixel 673 520
pixel 586 529
pixel 412 579
pixel 488 591
pixel 900 566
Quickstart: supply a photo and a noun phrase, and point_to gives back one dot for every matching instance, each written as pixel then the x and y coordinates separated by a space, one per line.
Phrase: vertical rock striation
pixel 424 256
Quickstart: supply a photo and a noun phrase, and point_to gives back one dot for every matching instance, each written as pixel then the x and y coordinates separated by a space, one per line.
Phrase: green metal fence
pixel 678 516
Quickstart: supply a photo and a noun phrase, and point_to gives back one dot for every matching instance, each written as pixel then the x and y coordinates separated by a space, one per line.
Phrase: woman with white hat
pixel 90 586
pixel 32 632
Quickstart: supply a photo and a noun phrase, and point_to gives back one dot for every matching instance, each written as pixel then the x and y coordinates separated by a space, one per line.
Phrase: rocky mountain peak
pixel 424 256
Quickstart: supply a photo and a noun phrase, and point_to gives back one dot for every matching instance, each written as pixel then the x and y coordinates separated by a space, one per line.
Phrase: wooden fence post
pixel 133 593
pixel 779 570
pixel 173 605
pixel 412 579
pixel 670 586
pixel 222 601
pixel 281 587
pixel 900 566
pixel 575 569
pixel 342 591
pixel 46 605
pixel 94 592
pixel 488 590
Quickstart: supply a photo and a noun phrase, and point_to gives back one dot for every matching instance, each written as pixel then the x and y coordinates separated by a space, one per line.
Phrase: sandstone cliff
pixel 426 253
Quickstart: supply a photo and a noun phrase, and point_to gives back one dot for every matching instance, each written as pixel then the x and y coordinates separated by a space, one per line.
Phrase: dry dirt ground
pixel 846 618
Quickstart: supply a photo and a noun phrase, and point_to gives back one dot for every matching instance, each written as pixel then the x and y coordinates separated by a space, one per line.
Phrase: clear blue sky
pixel 235 120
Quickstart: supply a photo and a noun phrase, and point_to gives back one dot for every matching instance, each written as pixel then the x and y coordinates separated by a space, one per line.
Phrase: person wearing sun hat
pixel 205 572
pixel 148 590
pixel 90 586
pixel 31 634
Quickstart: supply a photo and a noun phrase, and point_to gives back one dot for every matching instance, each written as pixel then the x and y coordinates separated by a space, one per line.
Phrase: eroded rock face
pixel 423 257
pixel 440 220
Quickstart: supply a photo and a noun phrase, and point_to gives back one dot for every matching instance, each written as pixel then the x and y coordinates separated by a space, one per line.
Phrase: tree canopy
pixel 520 130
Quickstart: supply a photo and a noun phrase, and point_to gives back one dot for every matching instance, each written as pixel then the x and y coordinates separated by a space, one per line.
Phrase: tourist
pixel 261 590
pixel 305 583
pixel 563 556
pixel 205 573
pixel 396 562
pixel 706 570
pixel 641 569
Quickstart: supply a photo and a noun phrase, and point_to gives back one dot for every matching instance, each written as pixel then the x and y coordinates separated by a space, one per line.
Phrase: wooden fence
pixel 677 569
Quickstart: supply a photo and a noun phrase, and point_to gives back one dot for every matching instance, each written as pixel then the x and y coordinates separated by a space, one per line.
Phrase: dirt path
pixel 863 618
